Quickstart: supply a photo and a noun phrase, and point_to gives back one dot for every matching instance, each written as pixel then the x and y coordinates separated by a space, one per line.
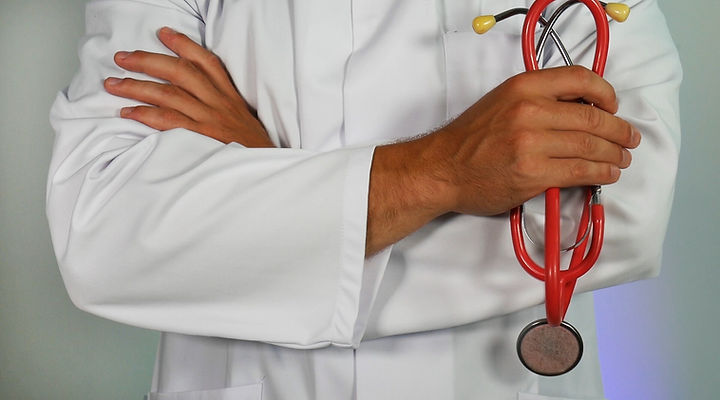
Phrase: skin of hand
pixel 525 136
pixel 199 94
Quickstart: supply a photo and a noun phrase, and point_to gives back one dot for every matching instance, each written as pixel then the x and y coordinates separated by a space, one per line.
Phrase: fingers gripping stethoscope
pixel 547 346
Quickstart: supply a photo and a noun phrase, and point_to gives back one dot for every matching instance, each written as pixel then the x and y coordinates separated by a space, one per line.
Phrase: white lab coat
pixel 252 260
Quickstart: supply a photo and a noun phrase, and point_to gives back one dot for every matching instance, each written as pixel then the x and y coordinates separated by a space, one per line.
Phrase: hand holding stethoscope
pixel 552 346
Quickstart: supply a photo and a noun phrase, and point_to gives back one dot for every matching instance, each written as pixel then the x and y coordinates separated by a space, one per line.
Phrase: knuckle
pixel 182 69
pixel 168 116
pixel 522 142
pixel 580 74
pixel 184 65
pixel 524 168
pixel 140 112
pixel 586 144
pixel 525 141
pixel 213 61
pixel 528 107
pixel 169 91
pixel 579 171
pixel 519 82
pixel 523 109
pixel 592 118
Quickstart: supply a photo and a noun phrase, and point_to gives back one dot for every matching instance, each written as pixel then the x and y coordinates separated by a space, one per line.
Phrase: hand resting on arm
pixel 521 138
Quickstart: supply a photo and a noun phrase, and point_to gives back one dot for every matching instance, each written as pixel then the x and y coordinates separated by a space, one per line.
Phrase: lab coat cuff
pixel 360 277
pixel 373 272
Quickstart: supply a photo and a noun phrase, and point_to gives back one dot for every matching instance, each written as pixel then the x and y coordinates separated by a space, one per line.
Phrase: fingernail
pixel 615 172
pixel 112 81
pixel 125 111
pixel 627 158
pixel 636 136
pixel 122 54
pixel 167 30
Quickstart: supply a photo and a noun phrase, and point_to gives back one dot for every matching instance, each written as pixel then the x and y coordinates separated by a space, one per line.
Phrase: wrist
pixel 420 169
pixel 407 190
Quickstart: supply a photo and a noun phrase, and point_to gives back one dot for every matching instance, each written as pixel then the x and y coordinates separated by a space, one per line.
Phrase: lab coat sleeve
pixel 177 232
pixel 468 271
pixel 645 70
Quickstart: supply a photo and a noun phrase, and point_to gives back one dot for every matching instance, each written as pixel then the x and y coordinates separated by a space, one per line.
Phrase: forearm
pixel 406 191
pixel 176 232
pixel 511 145
pixel 483 163
pixel 223 241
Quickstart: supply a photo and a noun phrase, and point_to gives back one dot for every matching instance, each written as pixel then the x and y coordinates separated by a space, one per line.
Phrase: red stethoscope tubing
pixel 559 284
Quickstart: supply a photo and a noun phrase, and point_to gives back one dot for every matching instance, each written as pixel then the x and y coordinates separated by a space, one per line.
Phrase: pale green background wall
pixel 661 343
pixel 667 329
pixel 48 349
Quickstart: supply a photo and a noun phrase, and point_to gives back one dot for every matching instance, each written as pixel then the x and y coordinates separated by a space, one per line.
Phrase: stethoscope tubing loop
pixel 602 28
pixel 559 285
pixel 560 293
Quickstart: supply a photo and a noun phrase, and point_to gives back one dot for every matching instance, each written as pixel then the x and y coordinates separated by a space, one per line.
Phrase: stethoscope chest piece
pixel 549 350
pixel 551 346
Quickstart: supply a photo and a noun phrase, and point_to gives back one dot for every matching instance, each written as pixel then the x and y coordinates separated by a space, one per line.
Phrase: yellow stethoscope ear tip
pixel 618 11
pixel 483 23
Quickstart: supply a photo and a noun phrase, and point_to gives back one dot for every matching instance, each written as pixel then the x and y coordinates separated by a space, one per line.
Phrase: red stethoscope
pixel 552 346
